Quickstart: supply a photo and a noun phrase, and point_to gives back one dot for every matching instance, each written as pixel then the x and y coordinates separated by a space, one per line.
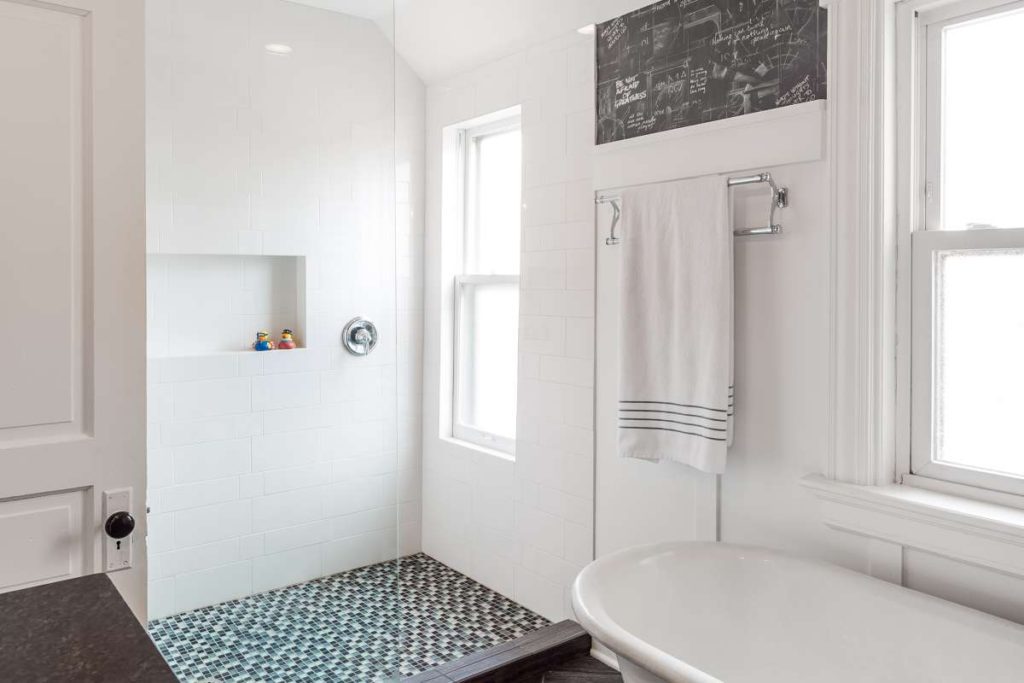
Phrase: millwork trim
pixel 979 533
pixel 861 247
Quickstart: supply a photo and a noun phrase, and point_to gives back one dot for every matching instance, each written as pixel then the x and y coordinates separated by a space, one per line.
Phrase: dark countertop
pixel 80 631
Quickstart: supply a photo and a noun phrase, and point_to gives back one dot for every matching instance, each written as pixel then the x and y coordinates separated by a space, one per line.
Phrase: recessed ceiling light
pixel 587 30
pixel 278 49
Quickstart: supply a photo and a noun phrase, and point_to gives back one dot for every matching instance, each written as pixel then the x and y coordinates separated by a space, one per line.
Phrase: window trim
pixel 865 488
pixel 468 138
pixel 919 214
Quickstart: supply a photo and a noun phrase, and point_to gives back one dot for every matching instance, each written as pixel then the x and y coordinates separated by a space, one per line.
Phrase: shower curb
pixel 526 658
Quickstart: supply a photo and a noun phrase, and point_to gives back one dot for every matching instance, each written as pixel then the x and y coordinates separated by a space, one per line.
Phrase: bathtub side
pixel 590 610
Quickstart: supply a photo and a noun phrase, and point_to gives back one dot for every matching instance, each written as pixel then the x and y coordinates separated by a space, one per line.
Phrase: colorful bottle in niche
pixel 287 340
pixel 263 342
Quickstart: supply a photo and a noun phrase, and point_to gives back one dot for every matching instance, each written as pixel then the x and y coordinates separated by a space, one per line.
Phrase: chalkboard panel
pixel 682 62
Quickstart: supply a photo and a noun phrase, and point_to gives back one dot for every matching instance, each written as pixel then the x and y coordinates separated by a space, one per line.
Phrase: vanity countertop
pixel 80 631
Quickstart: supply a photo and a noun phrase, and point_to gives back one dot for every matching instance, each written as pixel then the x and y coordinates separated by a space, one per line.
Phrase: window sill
pixel 980 533
pixel 477 448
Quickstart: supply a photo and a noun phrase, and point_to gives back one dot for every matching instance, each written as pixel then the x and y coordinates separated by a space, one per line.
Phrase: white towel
pixel 676 324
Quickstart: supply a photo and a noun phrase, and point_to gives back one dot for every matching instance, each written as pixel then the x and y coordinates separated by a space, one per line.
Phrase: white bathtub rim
pixel 596 620
pixel 605 629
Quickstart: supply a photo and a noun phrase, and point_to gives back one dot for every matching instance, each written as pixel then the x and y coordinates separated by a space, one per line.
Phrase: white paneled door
pixel 72 289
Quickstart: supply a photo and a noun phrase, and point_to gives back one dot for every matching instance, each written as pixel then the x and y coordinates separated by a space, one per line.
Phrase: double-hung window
pixel 966 255
pixel 487 288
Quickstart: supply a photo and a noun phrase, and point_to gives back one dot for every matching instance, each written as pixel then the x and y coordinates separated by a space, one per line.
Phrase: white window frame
pixel 468 141
pixel 920 243
pixel 876 190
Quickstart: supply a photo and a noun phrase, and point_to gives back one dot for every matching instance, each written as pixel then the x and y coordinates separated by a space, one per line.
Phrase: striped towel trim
pixel 700 421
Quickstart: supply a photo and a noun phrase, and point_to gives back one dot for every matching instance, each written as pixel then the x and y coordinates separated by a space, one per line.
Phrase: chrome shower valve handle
pixel 360 337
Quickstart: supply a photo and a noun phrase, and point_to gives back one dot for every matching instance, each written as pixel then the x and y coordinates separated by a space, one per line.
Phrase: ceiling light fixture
pixel 278 49
pixel 587 30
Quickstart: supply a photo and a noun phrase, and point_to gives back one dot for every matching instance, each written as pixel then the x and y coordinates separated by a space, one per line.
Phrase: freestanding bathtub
pixel 710 613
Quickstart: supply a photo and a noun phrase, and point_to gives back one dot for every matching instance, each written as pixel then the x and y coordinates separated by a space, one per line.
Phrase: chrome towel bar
pixel 779 200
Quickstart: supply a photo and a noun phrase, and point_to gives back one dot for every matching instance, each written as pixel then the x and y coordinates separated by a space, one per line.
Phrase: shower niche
pixel 211 304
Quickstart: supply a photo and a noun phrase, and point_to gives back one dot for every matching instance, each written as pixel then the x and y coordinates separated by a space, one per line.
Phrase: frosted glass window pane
pixel 494 239
pixel 489 356
pixel 982 133
pixel 980 359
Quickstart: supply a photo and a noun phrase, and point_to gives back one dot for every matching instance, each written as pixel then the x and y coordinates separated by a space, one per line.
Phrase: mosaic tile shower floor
pixel 347 628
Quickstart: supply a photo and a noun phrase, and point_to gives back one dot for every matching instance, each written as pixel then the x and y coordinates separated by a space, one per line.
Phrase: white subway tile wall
pixel 279 196
pixel 526 528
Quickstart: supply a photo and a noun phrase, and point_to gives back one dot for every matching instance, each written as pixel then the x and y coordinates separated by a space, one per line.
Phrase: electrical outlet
pixel 117 553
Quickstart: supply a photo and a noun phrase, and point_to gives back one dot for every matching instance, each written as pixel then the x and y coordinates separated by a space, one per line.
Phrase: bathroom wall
pixel 782 375
pixel 279 197
pixel 782 344
pixel 524 528
pixel 521 527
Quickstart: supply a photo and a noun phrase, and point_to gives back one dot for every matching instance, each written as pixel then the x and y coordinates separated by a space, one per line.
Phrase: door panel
pixel 45 533
pixel 42 63
pixel 72 285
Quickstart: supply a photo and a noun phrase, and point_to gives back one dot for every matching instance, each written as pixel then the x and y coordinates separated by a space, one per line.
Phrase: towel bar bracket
pixel 613 239
pixel 782 197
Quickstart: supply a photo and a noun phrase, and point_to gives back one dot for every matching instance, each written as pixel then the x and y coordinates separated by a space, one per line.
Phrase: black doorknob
pixel 119 525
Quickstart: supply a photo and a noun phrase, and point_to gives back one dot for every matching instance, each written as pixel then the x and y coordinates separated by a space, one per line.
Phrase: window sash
pixel 924 330
pixel 462 352
pixel 931 24
pixel 471 140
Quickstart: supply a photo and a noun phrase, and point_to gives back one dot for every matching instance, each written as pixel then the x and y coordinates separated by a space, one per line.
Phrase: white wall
pixel 444 38
pixel 523 528
pixel 271 469
pixel 783 363
pixel 782 327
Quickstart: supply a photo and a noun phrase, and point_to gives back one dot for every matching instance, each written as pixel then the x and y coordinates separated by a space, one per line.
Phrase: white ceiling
pixel 369 9
pixel 441 38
